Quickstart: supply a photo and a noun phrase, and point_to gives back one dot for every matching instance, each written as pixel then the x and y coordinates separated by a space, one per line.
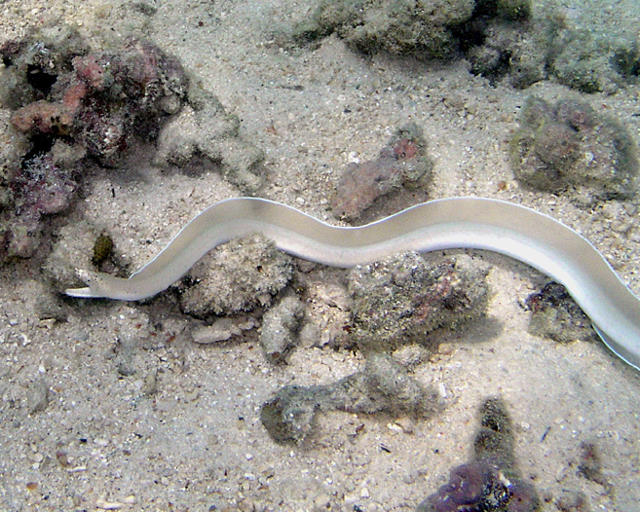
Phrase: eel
pixel 462 222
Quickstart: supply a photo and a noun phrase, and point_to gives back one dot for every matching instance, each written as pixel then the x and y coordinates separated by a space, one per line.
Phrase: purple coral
pixel 490 482
pixel 43 187
pixel 40 188
pixel 481 486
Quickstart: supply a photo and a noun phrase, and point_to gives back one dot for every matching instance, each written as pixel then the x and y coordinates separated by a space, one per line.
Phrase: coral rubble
pixel 66 103
pixel 279 329
pixel 499 38
pixel 486 32
pixel 205 131
pixel 398 27
pixel 396 301
pixel 569 147
pixel 400 299
pixel 66 106
pixel 382 386
pixel 240 276
pixel 101 100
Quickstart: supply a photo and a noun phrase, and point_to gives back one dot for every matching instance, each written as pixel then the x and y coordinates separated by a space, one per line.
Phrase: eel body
pixel 499 226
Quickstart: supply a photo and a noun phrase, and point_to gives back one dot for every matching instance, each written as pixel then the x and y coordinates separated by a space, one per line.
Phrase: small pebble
pixel 108 505
pixel 38 396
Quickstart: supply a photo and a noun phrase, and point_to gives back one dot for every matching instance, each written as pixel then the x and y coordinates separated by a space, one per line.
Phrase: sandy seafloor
pixel 198 443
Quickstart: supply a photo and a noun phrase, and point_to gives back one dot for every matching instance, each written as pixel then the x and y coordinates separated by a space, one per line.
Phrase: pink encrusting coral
pixel 106 97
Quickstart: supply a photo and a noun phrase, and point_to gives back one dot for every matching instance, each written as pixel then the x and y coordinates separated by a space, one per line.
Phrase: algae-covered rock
pixel 205 134
pixel 497 36
pixel 59 88
pixel 400 299
pixel 13 145
pixel 242 275
pixel 592 62
pixel 102 249
pixel 574 46
pixel 519 51
pixel 403 27
pixel 555 315
pixel 35 63
pixel 382 386
pixel 403 162
pixel 516 39
pixel 569 147
pixel 512 9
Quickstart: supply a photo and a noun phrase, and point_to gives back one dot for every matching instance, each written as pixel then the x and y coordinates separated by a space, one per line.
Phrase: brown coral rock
pixel 402 163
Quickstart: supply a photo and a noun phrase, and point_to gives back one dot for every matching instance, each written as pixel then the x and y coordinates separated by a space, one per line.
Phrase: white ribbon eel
pixel 499 226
